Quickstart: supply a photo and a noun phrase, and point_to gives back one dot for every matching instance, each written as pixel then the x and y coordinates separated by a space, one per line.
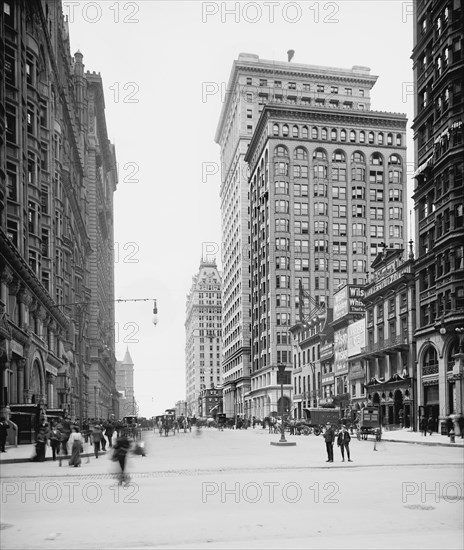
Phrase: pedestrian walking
pixel 423 426
pixel 41 443
pixel 109 434
pixel 120 449
pixel 3 434
pixel 96 438
pixel 343 441
pixel 430 425
pixel 55 441
pixel 76 441
pixel 460 422
pixel 329 437
pixel 103 438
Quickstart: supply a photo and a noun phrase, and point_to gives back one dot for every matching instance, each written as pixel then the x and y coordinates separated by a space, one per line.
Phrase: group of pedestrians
pixel 343 441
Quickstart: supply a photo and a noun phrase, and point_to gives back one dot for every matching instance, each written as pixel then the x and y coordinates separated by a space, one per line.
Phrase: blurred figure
pixel 76 441
pixel 3 434
pixel 41 442
pixel 96 438
pixel 120 450
pixel 55 441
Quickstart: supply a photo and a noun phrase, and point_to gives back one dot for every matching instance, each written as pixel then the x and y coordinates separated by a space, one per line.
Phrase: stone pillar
pixel 25 300
pixel 49 390
pixel 6 278
pixel 20 365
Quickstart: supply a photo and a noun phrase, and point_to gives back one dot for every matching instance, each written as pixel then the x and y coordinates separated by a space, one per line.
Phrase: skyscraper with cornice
pixel 203 334
pixel 322 115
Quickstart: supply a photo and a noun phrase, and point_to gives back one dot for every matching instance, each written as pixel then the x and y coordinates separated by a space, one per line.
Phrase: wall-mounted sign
pixel 341 351
pixel 348 300
pixel 356 337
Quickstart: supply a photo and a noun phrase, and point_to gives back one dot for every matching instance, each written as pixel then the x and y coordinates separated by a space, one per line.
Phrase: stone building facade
pixel 439 204
pixel 55 155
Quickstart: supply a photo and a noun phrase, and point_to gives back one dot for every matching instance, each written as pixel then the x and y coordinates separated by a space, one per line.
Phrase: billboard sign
pixel 356 337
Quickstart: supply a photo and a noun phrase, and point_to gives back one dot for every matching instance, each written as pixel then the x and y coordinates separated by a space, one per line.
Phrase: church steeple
pixel 127 358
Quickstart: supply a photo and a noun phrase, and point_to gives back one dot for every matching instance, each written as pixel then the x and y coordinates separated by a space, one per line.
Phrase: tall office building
pixel 438 199
pixel 327 187
pixel 57 178
pixel 203 335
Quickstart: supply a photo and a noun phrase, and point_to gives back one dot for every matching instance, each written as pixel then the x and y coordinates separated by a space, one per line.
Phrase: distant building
pixel 203 334
pixel 210 402
pixel 439 204
pixel 125 386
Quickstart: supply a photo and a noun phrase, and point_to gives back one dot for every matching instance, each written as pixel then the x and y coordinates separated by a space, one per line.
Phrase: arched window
pixel 394 159
pixel 304 132
pixel 357 156
pixel 285 130
pixel 371 137
pixel 319 154
pixel 342 135
pixel 338 156
pixel 333 134
pixel 295 132
pixel 275 130
pixel 281 151
pixel 362 136
pixel 324 133
pixel 380 138
pixel 398 140
pixel 389 139
pixel 352 136
pixel 430 362
pixel 300 153
pixel 376 158
pixel 314 133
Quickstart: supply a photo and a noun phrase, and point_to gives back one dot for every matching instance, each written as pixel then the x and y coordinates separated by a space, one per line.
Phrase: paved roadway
pixel 232 489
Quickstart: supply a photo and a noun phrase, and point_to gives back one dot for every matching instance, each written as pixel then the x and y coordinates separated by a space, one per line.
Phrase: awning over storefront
pixel 423 166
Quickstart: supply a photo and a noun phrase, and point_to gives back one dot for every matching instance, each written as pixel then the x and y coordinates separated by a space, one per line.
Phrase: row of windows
pixel 322 190
pixel 338 229
pixel 320 154
pixel 321 172
pixel 351 136
pixel 305 86
pixel 340 211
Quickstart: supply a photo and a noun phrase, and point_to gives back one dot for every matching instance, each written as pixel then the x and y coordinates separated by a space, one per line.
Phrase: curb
pixel 48 458
pixel 431 443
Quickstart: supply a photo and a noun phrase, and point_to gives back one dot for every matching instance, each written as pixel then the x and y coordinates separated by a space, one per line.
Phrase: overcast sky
pixel 156 58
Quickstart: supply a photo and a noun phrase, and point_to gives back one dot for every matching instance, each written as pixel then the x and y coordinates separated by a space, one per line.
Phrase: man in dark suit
pixel 329 436
pixel 343 442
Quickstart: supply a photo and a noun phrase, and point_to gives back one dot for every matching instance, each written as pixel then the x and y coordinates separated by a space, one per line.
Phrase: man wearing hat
pixel 329 436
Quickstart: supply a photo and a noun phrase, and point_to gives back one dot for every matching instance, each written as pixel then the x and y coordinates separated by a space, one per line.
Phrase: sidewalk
pixel 24 453
pixel 406 436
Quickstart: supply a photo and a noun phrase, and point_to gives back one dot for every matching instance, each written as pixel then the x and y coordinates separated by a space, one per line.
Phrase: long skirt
pixel 75 459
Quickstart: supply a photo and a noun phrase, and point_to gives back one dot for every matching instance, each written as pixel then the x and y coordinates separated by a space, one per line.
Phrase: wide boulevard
pixel 232 489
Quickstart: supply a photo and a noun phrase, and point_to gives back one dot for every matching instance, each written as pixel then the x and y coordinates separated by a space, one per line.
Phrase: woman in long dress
pixel 76 441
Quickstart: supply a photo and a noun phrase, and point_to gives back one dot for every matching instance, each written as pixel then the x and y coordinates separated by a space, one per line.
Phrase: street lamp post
pixel 80 307
pixel 282 442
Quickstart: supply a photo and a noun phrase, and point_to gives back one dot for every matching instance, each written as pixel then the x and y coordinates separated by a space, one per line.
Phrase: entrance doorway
pixel 398 407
